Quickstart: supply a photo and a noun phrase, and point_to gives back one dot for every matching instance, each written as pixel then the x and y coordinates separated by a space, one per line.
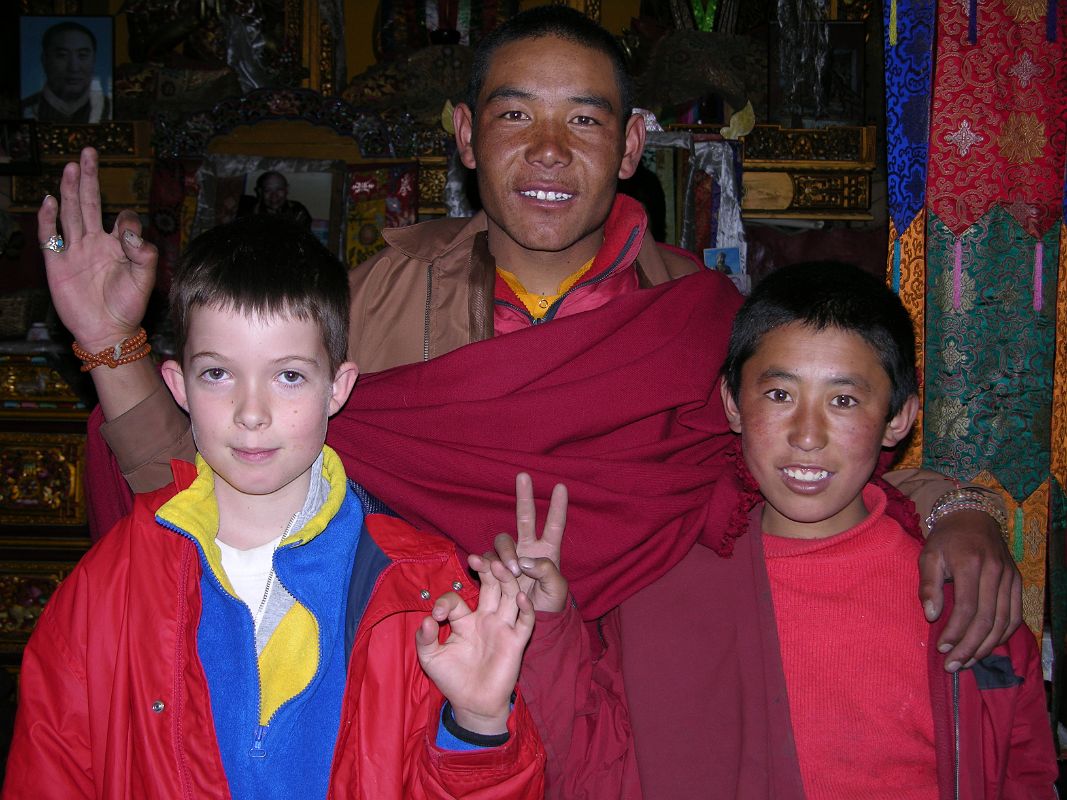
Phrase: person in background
pixel 272 199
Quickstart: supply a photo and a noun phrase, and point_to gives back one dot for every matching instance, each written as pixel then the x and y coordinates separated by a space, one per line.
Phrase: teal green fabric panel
pixel 989 351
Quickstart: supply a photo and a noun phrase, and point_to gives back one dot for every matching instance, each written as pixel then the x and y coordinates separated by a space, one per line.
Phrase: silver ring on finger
pixel 54 243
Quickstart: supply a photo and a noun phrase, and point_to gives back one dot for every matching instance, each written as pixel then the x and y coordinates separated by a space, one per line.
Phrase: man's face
pixel 258 390
pixel 275 192
pixel 811 412
pixel 68 64
pixel 549 143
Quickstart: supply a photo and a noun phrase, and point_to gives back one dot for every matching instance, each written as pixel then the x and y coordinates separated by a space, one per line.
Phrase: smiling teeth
pixel 809 475
pixel 552 197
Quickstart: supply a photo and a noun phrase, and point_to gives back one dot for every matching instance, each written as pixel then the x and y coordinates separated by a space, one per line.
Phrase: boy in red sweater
pixel 819 377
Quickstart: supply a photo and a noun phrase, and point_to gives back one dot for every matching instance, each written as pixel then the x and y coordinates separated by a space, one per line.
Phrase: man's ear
pixel 900 425
pixel 633 145
pixel 733 412
pixel 343 381
pixel 175 380
pixel 463 124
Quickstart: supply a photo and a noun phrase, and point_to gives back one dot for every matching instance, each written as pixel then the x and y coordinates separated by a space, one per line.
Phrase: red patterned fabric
pixel 998 115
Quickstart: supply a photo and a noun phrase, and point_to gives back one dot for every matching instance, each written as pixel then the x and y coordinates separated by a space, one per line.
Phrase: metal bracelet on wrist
pixel 966 499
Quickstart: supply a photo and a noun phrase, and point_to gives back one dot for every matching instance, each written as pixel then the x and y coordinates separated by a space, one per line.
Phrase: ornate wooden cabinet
pixel 43 529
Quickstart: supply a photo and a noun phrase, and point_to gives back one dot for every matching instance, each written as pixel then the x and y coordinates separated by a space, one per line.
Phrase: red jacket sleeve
pixel 572 680
pixel 1031 769
pixel 50 755
pixel 515 770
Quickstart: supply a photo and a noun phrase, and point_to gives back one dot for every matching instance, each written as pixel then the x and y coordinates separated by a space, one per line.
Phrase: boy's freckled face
pixel 812 416
pixel 258 391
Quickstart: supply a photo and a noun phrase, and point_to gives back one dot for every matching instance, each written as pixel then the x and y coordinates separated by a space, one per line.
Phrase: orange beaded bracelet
pixel 125 352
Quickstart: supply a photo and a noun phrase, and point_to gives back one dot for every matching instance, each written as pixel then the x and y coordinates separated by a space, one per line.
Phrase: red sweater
pixel 862 721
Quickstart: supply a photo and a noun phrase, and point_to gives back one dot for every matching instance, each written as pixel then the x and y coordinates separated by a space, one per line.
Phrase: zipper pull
pixel 258 751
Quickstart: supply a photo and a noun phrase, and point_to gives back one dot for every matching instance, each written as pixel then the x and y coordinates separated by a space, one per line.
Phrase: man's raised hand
pixel 100 282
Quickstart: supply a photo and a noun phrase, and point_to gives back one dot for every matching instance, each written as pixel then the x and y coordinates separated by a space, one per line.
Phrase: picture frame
pixel 231 186
pixel 723 259
pixel 19 149
pixel 66 68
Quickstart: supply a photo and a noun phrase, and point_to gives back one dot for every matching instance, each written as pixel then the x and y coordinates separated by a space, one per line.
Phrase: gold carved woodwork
pixel 25 587
pixel 30 388
pixel 433 173
pixel 318 42
pixel 41 479
pixel 808 173
pixel 125 163
pixel 774 147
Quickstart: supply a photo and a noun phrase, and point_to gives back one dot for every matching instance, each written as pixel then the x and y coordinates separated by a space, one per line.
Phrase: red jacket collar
pixel 624 230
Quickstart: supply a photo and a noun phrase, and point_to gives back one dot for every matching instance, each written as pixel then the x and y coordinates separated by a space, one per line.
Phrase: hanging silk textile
pixel 976 113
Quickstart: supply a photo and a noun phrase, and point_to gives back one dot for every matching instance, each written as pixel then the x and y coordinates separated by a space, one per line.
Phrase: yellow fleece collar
pixel 196 512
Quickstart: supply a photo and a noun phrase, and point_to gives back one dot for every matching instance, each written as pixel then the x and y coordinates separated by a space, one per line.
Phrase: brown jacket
pixel 431 291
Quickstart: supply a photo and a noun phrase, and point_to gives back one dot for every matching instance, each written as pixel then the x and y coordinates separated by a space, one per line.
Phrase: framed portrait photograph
pixel 307 192
pixel 65 68
pixel 18 147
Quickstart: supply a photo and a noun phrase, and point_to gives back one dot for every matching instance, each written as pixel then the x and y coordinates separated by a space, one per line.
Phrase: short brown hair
pixel 265 266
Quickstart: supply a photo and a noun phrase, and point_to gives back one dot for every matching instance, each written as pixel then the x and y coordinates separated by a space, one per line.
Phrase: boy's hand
pixel 100 282
pixel 477 666
pixel 534 561
pixel 967 548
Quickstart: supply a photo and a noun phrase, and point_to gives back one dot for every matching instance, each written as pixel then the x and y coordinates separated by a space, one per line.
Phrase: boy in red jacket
pixel 819 377
pixel 260 628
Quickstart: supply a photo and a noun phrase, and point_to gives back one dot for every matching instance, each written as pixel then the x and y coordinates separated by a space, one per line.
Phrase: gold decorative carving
pixel 825 195
pixel 122 185
pixel 837 192
pixel 326 59
pixel 25 587
pixel 58 140
pixel 771 146
pixel 33 384
pixel 432 179
pixel 41 480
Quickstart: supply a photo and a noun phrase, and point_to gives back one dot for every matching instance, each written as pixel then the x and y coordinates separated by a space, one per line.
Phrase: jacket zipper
pixel 258 749
pixel 551 313
pixel 956 733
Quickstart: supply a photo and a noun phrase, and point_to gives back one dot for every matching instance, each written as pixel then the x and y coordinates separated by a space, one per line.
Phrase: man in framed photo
pixel 72 92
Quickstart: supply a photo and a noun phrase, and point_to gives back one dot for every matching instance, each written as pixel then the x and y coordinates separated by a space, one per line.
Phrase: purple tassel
pixel 972 22
pixel 957 274
pixel 1039 260
pixel 1050 21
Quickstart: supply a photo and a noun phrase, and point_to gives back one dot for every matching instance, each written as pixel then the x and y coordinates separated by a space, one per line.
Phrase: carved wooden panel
pixel 41 479
pixel 774 147
pixel 25 587
pixel 808 173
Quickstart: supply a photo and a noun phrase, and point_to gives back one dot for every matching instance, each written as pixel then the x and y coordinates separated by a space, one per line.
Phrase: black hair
pixel 265 266
pixel 63 27
pixel 270 173
pixel 828 294
pixel 561 22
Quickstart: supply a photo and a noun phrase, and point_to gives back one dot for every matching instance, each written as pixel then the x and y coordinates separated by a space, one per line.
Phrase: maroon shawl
pixel 620 403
